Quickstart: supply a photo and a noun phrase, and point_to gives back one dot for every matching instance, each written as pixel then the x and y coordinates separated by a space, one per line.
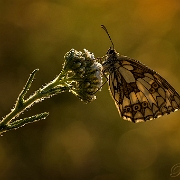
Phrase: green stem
pixel 18 110
pixel 35 98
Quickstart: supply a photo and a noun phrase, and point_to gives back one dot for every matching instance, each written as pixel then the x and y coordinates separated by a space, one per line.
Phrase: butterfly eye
pixel 154 85
pixel 136 107
pixel 144 104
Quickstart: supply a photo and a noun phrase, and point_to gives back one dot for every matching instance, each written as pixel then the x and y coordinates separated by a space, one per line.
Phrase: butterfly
pixel 140 93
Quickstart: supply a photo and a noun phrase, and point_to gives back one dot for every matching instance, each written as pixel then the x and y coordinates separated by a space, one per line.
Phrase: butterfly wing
pixel 140 93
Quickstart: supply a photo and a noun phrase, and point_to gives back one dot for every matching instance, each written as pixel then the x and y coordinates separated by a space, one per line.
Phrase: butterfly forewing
pixel 139 93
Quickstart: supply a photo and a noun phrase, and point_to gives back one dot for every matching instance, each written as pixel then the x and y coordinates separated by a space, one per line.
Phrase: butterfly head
pixel 111 51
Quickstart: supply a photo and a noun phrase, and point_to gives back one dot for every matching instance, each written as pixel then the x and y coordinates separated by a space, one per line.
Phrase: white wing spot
pixel 139 120
pixel 128 114
pixel 146 93
pixel 116 97
pixel 177 99
pixel 125 63
pixel 120 107
pixel 128 76
pixel 128 67
pixel 126 102
pixel 155 95
pixel 138 115
pixel 155 109
pixel 158 116
pixel 160 101
pixel 164 110
pixel 149 75
pixel 148 86
pixel 127 118
pixel 133 98
pixel 148 112
pixel 174 105
pixel 141 97
pixel 149 80
pixel 161 92
pixel 168 102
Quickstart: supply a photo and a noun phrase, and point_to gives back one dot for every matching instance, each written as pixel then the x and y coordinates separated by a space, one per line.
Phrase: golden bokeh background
pixel 79 141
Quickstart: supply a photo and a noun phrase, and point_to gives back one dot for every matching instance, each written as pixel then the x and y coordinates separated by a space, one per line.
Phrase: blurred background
pixel 86 141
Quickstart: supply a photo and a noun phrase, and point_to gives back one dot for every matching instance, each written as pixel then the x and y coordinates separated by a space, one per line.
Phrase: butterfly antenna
pixel 105 29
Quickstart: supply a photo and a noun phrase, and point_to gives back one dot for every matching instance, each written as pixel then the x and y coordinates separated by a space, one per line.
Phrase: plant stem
pixel 35 98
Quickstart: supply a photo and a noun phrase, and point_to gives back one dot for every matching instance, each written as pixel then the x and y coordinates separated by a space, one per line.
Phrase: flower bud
pixel 87 73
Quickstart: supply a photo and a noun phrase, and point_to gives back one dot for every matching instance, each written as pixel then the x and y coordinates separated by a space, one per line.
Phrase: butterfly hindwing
pixel 139 93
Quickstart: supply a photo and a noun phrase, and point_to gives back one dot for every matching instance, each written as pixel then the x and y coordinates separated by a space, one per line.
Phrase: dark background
pixel 79 141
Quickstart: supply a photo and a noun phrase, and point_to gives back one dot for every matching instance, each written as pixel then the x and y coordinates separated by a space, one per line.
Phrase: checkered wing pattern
pixel 140 94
